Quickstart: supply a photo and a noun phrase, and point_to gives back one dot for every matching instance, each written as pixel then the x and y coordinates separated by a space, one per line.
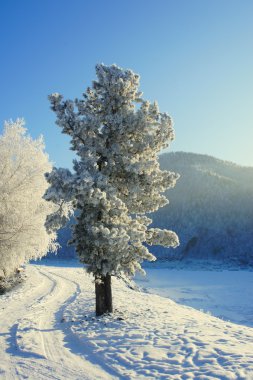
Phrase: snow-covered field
pixel 48 331
pixel 225 294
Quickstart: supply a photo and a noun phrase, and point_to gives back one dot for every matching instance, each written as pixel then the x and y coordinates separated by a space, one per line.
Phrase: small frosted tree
pixel 23 211
pixel 116 178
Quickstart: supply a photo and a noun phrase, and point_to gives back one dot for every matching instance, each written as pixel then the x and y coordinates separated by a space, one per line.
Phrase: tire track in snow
pixel 14 304
pixel 37 340
pixel 60 352
pixel 72 340
pixel 29 342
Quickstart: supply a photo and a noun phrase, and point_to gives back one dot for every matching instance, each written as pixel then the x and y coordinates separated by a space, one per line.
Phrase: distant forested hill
pixel 211 210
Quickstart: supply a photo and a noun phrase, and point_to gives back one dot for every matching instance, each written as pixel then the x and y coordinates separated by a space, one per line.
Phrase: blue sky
pixel 195 57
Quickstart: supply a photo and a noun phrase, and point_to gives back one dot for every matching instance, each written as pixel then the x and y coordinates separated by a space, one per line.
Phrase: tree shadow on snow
pixel 14 348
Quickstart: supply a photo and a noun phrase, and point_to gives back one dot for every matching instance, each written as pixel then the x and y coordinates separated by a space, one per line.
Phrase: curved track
pixel 33 335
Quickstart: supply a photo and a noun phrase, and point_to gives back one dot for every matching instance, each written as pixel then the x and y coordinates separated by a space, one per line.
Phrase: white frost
pixel 23 211
pixel 116 178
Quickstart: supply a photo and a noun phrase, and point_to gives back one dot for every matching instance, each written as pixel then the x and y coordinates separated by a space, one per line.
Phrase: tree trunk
pixel 103 295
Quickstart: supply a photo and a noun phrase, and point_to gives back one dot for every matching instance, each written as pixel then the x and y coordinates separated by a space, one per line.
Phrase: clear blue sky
pixel 195 57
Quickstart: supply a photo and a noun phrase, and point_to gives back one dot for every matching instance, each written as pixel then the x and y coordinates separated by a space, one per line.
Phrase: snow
pixel 33 338
pixel 49 330
pixel 224 294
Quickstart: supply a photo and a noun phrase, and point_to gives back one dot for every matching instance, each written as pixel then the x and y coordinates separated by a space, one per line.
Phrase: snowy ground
pixel 224 294
pixel 48 331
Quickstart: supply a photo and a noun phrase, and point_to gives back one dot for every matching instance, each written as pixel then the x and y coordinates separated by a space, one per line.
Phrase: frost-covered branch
pixel 23 211
pixel 116 179
pixel 117 175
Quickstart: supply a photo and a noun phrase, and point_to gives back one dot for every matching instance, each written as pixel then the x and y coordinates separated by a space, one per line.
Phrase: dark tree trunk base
pixel 103 291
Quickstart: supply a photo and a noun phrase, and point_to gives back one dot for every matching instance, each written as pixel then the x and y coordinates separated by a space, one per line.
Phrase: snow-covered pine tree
pixel 116 179
pixel 23 211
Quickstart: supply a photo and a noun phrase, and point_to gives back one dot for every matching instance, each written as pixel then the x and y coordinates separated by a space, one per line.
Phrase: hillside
pixel 211 209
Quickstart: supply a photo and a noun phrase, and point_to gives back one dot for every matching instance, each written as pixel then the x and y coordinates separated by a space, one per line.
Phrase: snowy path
pixel 50 332
pixel 32 337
